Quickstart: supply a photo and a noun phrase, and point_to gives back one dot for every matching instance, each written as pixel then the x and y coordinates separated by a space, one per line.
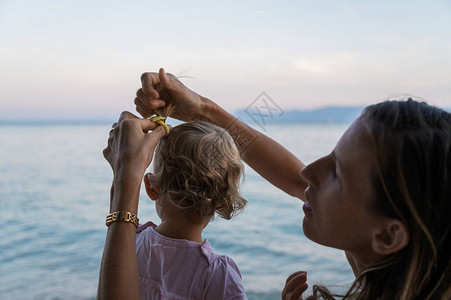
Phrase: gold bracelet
pixel 122 216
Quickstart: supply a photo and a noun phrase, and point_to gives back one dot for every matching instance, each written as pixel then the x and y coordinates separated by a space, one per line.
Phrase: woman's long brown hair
pixel 412 183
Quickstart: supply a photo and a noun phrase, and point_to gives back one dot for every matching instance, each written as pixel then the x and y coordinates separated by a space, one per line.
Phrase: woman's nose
pixel 313 172
pixel 308 174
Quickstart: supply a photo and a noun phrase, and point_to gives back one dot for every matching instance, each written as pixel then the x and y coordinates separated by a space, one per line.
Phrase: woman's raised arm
pixel 130 148
pixel 267 157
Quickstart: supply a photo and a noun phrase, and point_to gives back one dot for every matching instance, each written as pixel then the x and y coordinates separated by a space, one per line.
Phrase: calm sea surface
pixel 54 196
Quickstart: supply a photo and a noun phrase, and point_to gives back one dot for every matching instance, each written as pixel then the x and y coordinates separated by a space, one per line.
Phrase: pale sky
pixel 83 59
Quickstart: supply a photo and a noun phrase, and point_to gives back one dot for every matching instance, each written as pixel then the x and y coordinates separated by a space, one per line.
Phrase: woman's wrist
pixel 209 110
pixel 200 113
pixel 126 192
pixel 128 173
pixel 125 200
pixel 215 114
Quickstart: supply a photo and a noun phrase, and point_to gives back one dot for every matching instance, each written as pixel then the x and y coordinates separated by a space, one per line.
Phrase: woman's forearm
pixel 119 270
pixel 263 154
pixel 267 157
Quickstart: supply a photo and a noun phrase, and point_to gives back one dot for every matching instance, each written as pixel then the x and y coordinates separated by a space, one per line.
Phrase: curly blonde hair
pixel 198 167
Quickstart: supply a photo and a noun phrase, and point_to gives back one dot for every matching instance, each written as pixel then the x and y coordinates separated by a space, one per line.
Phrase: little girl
pixel 197 171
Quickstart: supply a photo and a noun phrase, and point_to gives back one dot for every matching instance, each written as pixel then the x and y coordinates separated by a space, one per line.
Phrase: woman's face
pixel 337 210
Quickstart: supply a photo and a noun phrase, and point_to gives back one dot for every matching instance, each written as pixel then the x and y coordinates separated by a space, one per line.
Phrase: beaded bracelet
pixel 122 216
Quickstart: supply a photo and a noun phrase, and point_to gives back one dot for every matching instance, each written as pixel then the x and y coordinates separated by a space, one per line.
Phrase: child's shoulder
pixel 141 227
pixel 223 276
pixel 218 261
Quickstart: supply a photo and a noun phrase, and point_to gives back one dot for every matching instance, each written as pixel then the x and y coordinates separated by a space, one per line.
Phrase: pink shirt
pixel 181 269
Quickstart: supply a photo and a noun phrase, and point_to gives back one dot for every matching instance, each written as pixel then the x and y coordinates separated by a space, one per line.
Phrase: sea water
pixel 54 196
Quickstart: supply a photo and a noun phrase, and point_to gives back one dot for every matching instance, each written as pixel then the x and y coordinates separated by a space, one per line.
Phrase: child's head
pixel 198 168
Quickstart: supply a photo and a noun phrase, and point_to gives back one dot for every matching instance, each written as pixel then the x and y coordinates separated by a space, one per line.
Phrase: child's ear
pixel 391 237
pixel 152 190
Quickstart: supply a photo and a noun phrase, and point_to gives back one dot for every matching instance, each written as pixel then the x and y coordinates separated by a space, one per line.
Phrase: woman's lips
pixel 306 207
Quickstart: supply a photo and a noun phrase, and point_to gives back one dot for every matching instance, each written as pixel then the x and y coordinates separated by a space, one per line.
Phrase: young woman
pixel 382 195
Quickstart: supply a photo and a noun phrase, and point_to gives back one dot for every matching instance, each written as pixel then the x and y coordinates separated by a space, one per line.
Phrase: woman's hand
pixel 295 285
pixel 131 145
pixel 160 89
pixel 129 152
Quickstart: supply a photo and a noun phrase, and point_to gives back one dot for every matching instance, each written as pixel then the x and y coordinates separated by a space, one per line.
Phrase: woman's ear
pixel 391 237
pixel 152 190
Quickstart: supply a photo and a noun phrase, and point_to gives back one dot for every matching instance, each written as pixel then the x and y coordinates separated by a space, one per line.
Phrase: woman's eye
pixel 334 170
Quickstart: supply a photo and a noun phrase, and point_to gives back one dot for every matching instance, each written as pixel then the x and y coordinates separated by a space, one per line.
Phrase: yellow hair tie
pixel 160 120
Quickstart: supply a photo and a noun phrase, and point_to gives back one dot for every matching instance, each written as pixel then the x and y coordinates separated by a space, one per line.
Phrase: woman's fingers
pixel 295 286
pixel 106 153
pixel 132 141
pixel 150 81
pixel 147 125
pixel 128 121
pixel 299 275
pixel 107 150
pixel 164 78
pixel 154 137
pixel 167 89
pixel 126 115
pixel 296 294
pixel 146 103
pixel 144 113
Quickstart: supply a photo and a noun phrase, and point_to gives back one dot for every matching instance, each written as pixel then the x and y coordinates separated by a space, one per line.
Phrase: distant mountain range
pixel 263 115
pixel 260 115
